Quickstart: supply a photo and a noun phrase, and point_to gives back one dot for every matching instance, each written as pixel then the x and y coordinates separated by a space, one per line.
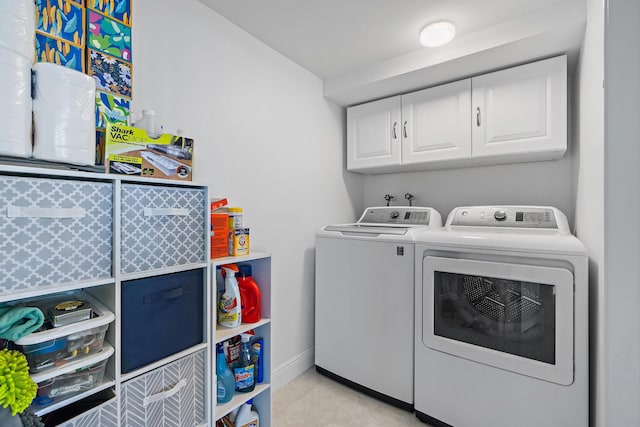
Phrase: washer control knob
pixel 395 214
pixel 500 215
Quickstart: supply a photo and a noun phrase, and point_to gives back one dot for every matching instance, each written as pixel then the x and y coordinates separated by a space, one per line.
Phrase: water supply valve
pixel 410 198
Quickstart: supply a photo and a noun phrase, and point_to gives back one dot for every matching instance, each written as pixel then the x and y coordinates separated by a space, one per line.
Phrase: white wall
pixel 622 213
pixel 536 183
pixel 265 138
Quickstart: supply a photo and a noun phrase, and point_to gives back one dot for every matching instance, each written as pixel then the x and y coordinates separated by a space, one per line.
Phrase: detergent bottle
pixel 225 380
pixel 247 417
pixel 229 306
pixel 244 370
pixel 249 295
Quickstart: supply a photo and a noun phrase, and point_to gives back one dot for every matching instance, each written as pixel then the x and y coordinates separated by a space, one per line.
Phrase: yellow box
pixel 131 151
pixel 240 244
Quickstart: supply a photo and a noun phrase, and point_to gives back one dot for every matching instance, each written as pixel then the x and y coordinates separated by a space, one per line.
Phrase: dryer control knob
pixel 395 214
pixel 500 215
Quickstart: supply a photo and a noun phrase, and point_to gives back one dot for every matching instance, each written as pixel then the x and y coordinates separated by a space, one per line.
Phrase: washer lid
pixel 367 229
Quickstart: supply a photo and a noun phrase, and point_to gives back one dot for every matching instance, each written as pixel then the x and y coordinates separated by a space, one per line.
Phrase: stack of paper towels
pixel 17 39
pixel 63 115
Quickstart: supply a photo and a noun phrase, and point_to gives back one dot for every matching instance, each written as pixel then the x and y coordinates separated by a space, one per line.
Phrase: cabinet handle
pixel 165 212
pixel 395 125
pixel 404 127
pixel 34 212
pixel 478 116
pixel 165 394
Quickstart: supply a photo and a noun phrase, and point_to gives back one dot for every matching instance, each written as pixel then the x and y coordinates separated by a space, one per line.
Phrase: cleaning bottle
pixel 229 306
pixel 245 369
pixel 226 383
pixel 257 355
pixel 247 417
pixel 249 295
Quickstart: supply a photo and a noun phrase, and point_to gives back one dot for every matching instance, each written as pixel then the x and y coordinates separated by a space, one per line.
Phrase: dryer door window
pixel 510 316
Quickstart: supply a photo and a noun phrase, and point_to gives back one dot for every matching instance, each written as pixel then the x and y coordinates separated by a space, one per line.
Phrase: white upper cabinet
pixel 373 134
pixel 521 112
pixel 513 115
pixel 435 123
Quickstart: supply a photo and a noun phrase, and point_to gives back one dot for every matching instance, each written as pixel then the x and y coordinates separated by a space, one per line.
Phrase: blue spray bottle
pixel 225 379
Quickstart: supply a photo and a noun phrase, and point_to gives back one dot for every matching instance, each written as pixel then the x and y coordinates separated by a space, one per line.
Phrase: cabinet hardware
pixel 395 124
pixel 478 116
pixel 405 128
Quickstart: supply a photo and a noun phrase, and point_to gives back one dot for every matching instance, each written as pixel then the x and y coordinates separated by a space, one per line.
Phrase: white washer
pixel 364 300
pixel 502 320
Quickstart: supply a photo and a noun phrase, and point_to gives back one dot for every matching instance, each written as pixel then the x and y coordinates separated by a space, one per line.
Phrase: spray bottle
pixel 245 369
pixel 225 379
pixel 229 306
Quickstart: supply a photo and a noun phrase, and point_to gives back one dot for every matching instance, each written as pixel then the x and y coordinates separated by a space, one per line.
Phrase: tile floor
pixel 313 400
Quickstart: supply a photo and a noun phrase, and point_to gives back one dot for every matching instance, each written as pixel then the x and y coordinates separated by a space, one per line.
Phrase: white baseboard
pixel 293 367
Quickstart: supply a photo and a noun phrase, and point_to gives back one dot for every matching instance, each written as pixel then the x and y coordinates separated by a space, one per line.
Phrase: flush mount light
pixel 437 34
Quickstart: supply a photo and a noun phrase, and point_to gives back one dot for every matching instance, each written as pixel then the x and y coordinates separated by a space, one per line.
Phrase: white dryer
pixel 364 300
pixel 502 320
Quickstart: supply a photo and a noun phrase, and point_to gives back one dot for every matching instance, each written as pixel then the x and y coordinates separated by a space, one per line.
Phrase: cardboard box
pixel 131 151
pixel 240 244
pixel 62 19
pixel 56 51
pixel 219 235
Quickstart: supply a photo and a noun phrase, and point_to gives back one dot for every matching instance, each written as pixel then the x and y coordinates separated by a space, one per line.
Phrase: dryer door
pixel 512 316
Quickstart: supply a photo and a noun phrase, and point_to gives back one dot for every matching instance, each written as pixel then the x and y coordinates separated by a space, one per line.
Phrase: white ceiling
pixel 351 44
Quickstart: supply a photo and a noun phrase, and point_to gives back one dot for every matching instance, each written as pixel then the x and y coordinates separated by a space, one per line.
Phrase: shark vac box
pixel 131 151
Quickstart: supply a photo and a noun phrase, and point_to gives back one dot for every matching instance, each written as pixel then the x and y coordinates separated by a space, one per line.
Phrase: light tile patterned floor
pixel 313 400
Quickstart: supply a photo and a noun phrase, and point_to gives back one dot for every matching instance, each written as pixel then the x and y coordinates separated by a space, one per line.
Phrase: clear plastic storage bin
pixel 56 347
pixel 74 378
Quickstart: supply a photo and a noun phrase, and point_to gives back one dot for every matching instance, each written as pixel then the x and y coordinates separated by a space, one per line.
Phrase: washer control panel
pixel 405 215
pixel 507 216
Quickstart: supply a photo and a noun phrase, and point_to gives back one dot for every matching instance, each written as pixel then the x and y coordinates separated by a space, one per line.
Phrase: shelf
pixel 235 259
pixel 19 166
pixel 239 399
pixel 162 271
pixel 57 289
pixel 223 334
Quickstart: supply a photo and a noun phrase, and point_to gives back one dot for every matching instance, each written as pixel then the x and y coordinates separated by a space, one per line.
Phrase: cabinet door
pixel 373 134
pixel 521 111
pixel 435 123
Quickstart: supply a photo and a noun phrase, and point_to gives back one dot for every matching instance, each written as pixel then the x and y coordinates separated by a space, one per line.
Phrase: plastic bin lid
pixel 103 354
pixel 104 317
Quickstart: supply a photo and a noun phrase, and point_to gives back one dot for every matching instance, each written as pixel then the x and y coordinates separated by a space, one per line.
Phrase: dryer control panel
pixel 505 217
pixel 402 215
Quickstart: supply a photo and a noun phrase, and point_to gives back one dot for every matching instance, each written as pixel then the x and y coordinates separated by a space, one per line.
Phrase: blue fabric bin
pixel 161 315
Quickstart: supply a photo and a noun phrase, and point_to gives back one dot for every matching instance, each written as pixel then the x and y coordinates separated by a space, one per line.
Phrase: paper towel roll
pixel 18 26
pixel 15 108
pixel 64 102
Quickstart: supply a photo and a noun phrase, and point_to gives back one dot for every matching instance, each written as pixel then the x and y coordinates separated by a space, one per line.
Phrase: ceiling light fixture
pixel 437 34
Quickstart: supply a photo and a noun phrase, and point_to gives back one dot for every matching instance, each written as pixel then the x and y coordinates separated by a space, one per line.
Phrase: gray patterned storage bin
pixel 53 232
pixel 170 396
pixel 161 227
pixel 105 415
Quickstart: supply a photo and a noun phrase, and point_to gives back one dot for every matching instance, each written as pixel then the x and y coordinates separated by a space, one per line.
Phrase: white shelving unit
pixel 107 257
pixel 261 395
